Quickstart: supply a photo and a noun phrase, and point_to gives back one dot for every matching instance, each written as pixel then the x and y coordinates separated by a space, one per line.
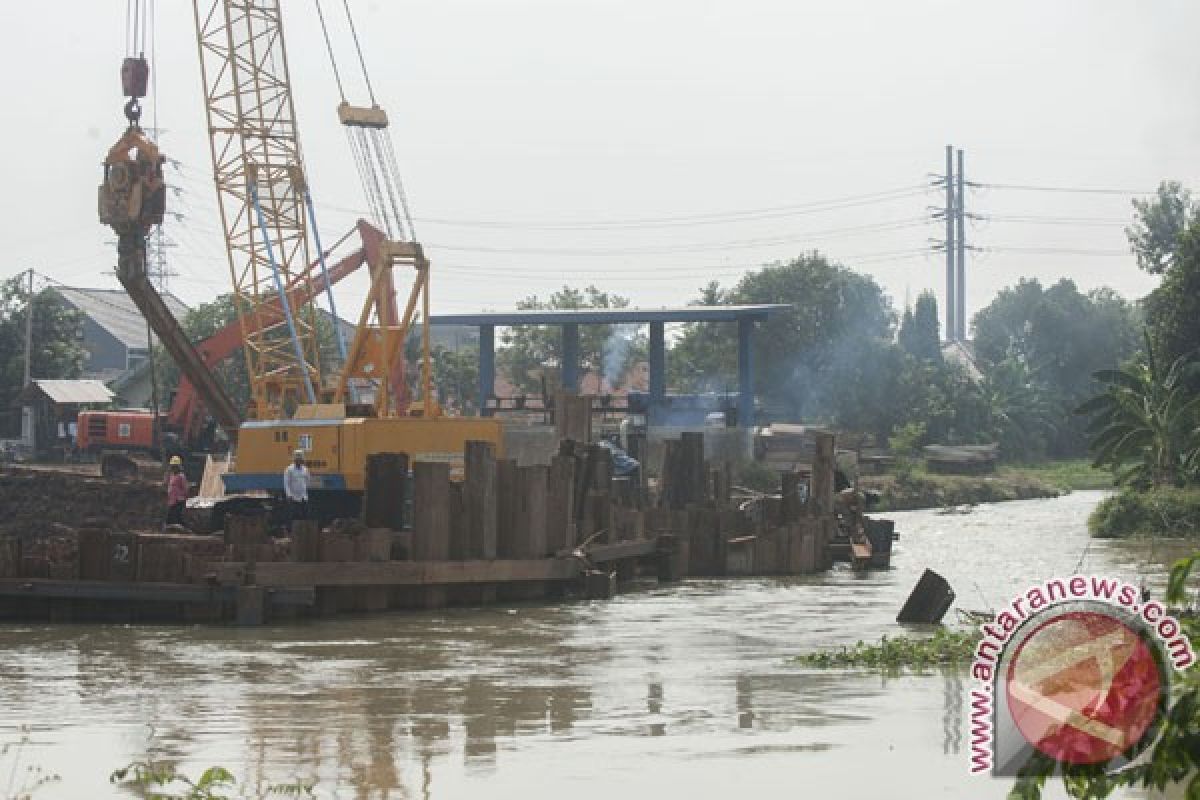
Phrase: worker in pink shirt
pixel 177 491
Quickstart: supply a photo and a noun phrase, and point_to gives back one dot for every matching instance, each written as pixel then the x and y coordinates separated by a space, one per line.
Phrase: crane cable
pixel 371 146
pixel 337 75
pixel 362 62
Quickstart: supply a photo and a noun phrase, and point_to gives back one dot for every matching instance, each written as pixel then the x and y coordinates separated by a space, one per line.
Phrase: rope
pixel 337 75
pixel 358 46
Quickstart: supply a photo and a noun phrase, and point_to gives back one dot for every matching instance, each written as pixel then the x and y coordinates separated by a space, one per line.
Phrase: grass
pixel 922 489
pixel 1070 475
pixel 947 647
pixel 1152 512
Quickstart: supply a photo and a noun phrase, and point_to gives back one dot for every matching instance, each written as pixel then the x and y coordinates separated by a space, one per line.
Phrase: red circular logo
pixel 1083 687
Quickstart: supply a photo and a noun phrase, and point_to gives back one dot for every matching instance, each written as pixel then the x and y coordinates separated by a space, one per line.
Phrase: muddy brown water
pixel 660 693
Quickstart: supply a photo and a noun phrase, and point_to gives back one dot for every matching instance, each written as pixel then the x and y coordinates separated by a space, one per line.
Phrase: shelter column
pixel 745 372
pixel 570 357
pixel 658 366
pixel 487 366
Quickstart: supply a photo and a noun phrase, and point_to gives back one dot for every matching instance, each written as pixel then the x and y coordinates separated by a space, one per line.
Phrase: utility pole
pixel 960 279
pixel 951 296
pixel 28 333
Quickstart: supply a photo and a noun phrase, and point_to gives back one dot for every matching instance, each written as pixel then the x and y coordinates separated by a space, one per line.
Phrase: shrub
pixel 1165 511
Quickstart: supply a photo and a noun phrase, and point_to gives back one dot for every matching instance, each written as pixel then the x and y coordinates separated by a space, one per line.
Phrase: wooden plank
pixel 404 573
pixel 534 495
pixel 431 511
pixel 600 554
pixel 820 501
pixel 573 416
pixel 385 491
pixel 479 498
pixel 10 556
pixel 306 540
pixel 143 592
pixel 507 508
pixel 560 504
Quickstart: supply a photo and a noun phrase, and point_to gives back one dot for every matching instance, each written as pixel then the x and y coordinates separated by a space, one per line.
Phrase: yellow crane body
pixel 336 450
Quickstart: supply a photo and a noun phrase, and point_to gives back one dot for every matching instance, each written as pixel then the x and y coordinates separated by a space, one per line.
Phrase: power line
pixel 1069 189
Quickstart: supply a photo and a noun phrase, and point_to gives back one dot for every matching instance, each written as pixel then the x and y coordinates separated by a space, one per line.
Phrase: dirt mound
pixel 36 504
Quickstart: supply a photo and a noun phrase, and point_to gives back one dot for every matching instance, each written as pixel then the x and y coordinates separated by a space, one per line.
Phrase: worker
pixel 177 491
pixel 295 488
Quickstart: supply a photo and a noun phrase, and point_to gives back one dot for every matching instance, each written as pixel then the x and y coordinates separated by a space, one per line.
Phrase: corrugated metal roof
pixel 114 311
pixel 77 392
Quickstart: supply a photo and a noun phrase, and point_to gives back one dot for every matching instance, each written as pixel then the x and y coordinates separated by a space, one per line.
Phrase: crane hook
pixel 133 111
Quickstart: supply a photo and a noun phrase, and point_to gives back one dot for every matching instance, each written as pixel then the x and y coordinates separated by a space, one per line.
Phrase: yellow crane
pixel 269 223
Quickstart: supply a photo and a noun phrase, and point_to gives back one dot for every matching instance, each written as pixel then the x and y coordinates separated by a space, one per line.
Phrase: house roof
pixel 114 311
pixel 75 392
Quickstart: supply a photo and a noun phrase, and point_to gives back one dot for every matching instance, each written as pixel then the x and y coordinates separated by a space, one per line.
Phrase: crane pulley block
pixel 361 116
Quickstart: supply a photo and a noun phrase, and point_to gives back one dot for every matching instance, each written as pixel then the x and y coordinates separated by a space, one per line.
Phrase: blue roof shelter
pixel 569 320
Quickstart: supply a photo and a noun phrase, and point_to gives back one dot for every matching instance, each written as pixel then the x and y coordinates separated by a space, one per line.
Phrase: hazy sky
pixel 513 119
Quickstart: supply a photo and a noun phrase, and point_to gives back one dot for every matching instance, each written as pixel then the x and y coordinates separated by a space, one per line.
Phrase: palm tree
pixel 1144 423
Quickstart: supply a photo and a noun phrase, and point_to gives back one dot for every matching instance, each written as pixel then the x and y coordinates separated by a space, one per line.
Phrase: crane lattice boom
pixel 260 185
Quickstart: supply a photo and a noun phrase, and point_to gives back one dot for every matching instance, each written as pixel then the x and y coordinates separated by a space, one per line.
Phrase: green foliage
pixel 57 343
pixel 918 335
pixel 456 377
pixel 160 781
pixel 704 357
pixel 1165 511
pixel 1059 337
pixel 1144 422
pixel 1174 307
pixel 1020 415
pixel 1158 224
pixel 529 349
pixel 945 647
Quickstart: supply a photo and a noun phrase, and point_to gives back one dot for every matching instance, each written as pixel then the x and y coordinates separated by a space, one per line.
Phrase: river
pixel 675 692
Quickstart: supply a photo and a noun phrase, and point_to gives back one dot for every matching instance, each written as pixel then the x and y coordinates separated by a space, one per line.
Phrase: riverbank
pixel 1167 512
pixel 922 489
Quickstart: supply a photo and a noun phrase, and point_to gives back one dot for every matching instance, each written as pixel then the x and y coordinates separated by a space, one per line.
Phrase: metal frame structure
pixel 256 150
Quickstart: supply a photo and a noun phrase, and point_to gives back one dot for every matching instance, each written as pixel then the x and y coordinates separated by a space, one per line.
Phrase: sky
pixel 649 146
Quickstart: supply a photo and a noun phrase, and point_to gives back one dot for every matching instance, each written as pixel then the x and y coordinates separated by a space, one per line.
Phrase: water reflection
pixel 654 693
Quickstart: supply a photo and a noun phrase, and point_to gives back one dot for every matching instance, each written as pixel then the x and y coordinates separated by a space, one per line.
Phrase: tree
pixel 704 357
pixel 1144 422
pixel 918 335
pixel 1158 224
pixel 804 356
pixel 455 375
pixel 1061 336
pixel 57 343
pixel 1020 414
pixel 529 349
pixel 1173 309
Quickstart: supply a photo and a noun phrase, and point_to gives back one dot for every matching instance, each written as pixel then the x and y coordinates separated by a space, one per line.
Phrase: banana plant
pixel 1144 423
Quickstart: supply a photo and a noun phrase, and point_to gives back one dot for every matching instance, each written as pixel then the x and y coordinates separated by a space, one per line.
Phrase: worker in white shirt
pixel 295 488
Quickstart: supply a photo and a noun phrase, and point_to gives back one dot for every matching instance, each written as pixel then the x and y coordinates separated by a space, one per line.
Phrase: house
pixel 55 404
pixel 114 331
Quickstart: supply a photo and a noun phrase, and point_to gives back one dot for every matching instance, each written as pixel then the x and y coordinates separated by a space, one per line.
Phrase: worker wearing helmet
pixel 177 491
pixel 295 488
